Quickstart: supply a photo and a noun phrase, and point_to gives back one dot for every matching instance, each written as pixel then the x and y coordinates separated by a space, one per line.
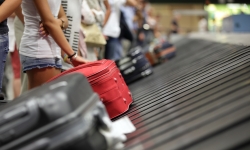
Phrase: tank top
pixel 32 43
pixel 3 25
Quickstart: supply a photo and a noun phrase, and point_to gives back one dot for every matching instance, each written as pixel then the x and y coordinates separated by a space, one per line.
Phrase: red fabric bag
pixel 106 80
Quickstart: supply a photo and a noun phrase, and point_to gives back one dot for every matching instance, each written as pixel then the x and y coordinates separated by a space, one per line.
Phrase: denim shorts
pixel 29 63
pixel 4 49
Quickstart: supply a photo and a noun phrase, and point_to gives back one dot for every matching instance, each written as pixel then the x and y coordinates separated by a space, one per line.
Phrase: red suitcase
pixel 106 80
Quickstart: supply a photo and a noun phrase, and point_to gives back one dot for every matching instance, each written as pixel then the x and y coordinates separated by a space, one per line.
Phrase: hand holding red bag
pixel 78 60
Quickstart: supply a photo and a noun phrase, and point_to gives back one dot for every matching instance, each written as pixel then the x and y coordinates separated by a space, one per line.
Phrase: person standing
pixel 99 11
pixel 112 30
pixel 7 7
pixel 40 54
pixel 175 25
pixel 202 25
pixel 19 28
pixel 15 61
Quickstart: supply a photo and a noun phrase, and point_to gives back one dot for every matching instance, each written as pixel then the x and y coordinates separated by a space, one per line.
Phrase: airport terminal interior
pixel 127 74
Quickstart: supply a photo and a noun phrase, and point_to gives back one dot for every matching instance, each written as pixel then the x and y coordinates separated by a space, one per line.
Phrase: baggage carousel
pixel 198 100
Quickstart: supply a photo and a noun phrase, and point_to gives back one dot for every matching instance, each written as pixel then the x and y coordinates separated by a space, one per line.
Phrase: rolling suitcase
pixel 134 66
pixel 43 105
pixel 106 80
pixel 58 115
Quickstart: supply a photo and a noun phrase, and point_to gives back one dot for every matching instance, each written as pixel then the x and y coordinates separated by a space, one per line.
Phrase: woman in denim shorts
pixel 43 39
pixel 7 7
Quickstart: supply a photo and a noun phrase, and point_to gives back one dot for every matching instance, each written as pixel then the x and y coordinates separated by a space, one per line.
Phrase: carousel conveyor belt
pixel 198 100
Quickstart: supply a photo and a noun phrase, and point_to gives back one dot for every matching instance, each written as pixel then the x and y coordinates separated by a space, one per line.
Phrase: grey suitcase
pixel 51 105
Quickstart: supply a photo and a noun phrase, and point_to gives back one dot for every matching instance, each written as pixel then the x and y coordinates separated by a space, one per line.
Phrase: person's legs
pixel 40 70
pixel 91 55
pixel 4 48
pixel 24 82
pixel 18 26
pixel 16 65
pixel 107 53
pixel 113 49
pixel 37 76
pixel 118 49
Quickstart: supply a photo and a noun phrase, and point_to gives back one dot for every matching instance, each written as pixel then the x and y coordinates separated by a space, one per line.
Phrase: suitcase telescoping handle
pixel 95 63
pixel 91 64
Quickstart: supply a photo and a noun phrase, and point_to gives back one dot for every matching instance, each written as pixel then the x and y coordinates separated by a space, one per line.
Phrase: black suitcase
pixel 134 66
pixel 45 110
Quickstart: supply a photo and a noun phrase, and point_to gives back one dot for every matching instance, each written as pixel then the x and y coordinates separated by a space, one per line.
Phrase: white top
pixel 112 28
pixel 12 38
pixel 71 7
pixel 32 43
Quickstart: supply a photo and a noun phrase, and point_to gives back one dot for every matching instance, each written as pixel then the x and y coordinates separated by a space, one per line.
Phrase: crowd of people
pixel 35 35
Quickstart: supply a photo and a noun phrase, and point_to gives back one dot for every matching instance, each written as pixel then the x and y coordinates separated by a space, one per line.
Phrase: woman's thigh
pixel 37 77
pixel 40 70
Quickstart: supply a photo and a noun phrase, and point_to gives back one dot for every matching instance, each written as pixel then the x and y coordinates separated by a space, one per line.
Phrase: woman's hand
pixel 67 61
pixel 76 61
pixel 44 32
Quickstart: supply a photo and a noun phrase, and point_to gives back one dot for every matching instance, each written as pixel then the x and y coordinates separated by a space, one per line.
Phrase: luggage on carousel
pixel 106 80
pixel 152 58
pixel 134 66
pixel 56 116
pixel 44 108
pixel 165 52
pixel 159 53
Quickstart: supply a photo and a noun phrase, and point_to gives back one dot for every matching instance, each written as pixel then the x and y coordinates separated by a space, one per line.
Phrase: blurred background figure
pixel 94 13
pixel 203 26
pixel 112 30
pixel 7 7
pixel 151 19
pixel 127 17
pixel 214 27
pixel 175 24
pixel 19 28
pixel 15 61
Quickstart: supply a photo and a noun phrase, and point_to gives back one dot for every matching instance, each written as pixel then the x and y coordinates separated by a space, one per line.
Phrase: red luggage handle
pixel 96 63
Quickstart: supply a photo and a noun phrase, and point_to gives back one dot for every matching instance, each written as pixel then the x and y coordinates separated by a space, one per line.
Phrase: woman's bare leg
pixel 37 77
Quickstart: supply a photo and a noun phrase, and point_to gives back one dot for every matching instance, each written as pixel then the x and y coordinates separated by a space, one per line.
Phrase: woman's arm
pixel 131 3
pixel 108 11
pixel 62 21
pixel 51 24
pixel 19 13
pixel 7 8
pixel 63 18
